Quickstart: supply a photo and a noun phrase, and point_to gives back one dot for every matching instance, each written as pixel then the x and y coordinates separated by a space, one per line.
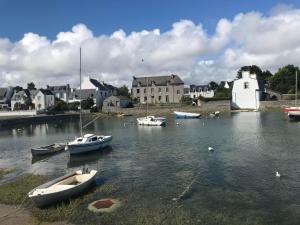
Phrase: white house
pixel 43 99
pixel 103 91
pixel 246 92
pixel 62 92
pixel 194 91
pixel 19 98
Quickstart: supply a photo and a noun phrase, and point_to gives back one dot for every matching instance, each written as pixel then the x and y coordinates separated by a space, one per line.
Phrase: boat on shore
pixel 88 143
pixel 62 188
pixel 186 115
pixel 47 150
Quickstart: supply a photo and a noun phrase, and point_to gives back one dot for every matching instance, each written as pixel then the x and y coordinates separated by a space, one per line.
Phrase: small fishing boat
pixel 88 143
pixel 62 188
pixel 152 121
pixel 47 150
pixel 186 114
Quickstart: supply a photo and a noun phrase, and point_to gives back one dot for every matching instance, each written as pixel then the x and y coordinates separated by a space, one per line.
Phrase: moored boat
pixel 88 143
pixel 152 121
pixel 62 188
pixel 186 114
pixel 47 150
pixel 294 115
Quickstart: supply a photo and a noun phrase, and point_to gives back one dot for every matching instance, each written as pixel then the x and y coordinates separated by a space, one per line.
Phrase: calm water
pixel 235 184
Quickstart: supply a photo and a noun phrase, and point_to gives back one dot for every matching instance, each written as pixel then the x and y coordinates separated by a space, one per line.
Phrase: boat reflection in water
pixel 88 158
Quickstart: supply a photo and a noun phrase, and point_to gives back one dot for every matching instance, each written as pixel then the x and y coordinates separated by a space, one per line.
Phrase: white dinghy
pixel 62 188
pixel 186 114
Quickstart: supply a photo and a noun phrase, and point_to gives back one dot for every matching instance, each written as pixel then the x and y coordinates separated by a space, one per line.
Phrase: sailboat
pixel 151 120
pixel 88 142
pixel 293 109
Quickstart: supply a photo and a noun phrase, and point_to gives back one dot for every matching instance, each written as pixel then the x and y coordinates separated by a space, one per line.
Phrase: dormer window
pixel 246 85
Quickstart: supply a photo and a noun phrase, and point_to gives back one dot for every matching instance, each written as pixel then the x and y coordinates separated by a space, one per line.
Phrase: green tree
pixel 186 100
pixel 283 80
pixel 213 85
pixel 18 88
pixel 87 103
pixel 261 75
pixel 60 105
pixel 124 91
pixel 31 86
pixel 73 106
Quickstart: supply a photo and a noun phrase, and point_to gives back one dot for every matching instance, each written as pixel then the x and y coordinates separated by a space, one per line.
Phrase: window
pixel 159 89
pixel 94 139
pixel 178 92
pixel 145 90
pixel 145 99
pixel 167 98
pixel 167 89
pixel 152 90
pixel 39 98
pixel 137 91
pixel 159 98
pixel 246 85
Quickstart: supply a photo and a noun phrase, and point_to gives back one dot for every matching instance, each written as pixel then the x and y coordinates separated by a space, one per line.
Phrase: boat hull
pixel 294 115
pixel 88 147
pixel 47 150
pixel 186 115
pixel 147 121
pixel 43 200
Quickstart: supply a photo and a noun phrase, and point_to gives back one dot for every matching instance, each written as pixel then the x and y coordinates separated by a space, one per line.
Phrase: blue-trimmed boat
pixel 186 114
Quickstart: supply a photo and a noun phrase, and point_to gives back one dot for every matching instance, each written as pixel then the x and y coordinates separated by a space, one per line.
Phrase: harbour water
pixel 150 166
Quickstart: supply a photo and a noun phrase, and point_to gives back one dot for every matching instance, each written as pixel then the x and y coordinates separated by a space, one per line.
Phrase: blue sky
pixel 200 41
pixel 47 18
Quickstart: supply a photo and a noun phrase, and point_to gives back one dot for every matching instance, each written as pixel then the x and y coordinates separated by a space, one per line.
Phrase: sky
pixel 198 40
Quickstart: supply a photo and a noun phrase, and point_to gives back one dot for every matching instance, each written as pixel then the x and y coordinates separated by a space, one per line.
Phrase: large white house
pixel 194 91
pixel 43 99
pixel 246 92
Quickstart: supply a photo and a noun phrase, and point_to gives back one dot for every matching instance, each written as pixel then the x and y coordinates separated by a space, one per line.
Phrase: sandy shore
pixel 21 216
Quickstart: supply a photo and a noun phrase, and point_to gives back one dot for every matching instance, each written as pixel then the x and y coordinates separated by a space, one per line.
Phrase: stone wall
pixel 17 113
pixel 170 108
pixel 277 104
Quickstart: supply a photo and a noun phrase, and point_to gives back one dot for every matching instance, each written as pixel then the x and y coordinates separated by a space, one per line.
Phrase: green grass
pixel 108 188
pixel 14 193
pixel 61 211
pixel 4 171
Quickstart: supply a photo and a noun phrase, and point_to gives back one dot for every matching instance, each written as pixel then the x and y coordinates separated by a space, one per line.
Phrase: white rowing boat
pixel 62 188
pixel 186 114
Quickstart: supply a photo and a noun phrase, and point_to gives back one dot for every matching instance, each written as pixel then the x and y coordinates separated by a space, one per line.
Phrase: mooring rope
pixel 186 190
pixel 91 121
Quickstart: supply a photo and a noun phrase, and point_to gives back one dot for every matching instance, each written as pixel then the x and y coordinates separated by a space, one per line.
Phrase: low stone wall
pixel 170 108
pixel 35 119
pixel 276 104
pixel 18 113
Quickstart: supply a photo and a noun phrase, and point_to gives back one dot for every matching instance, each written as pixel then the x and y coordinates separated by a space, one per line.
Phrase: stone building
pixel 157 89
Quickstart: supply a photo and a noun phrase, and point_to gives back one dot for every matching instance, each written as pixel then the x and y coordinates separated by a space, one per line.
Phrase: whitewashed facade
pixel 246 92
pixel 195 91
pixel 43 99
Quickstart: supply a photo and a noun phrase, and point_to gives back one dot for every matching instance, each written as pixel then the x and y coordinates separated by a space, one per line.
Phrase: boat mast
pixel 80 91
pixel 147 99
pixel 296 87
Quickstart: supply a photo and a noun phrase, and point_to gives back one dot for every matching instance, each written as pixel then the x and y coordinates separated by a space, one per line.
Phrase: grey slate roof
pixel 157 80
pixel 62 88
pixel 102 86
pixel 46 92
pixel 20 94
pixel 85 94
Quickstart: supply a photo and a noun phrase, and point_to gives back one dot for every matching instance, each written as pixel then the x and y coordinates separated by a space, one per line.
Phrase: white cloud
pixel 269 41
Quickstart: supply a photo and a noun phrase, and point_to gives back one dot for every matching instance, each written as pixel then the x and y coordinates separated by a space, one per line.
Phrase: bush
pixel 186 100
pixel 94 109
pixel 74 106
pixel 87 103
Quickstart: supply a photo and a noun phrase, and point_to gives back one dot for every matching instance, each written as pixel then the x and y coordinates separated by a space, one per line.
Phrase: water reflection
pixel 89 158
